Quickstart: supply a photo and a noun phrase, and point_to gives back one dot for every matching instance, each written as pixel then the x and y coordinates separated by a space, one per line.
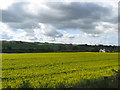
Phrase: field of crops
pixel 55 70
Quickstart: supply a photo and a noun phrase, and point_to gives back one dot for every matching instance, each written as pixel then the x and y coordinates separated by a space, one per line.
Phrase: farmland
pixel 55 70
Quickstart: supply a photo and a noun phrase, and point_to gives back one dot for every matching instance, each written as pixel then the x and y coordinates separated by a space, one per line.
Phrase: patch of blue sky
pixel 71 31
pixel 18 31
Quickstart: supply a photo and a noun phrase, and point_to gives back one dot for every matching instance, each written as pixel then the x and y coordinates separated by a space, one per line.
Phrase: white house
pixel 102 50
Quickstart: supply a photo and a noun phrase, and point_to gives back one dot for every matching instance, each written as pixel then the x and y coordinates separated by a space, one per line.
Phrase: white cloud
pixel 5 31
pixel 4 4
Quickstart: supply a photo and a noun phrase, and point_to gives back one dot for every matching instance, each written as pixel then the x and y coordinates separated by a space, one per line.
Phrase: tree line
pixel 36 47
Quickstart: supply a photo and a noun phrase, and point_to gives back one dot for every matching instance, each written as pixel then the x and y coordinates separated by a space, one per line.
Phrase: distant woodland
pixel 37 47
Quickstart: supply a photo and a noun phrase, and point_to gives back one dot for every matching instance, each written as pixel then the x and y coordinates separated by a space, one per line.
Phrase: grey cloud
pixel 15 13
pixel 28 24
pixel 82 16
pixel 71 37
pixel 53 33
pixel 76 10
pixel 49 30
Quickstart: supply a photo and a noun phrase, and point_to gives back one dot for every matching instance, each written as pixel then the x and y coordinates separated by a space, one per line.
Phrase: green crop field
pixel 55 70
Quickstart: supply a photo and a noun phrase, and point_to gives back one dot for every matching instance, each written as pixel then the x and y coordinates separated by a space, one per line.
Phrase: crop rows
pixel 55 70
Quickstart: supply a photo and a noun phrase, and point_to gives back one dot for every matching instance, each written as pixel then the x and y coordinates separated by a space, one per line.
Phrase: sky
pixel 64 21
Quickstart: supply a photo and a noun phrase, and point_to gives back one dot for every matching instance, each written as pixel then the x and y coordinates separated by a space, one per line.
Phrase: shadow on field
pixel 105 82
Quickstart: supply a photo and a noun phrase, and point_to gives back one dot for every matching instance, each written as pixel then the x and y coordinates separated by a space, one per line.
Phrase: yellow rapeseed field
pixel 55 70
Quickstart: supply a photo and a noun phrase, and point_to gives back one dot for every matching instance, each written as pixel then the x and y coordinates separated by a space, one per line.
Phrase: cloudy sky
pixel 65 21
